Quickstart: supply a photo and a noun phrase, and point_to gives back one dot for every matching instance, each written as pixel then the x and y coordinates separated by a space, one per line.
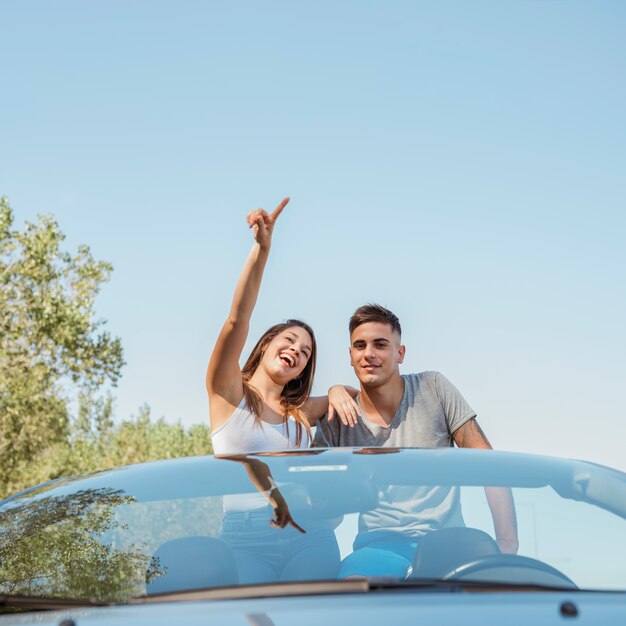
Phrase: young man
pixel 416 410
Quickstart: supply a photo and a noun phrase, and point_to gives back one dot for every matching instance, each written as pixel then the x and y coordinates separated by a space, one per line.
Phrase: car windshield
pixel 205 523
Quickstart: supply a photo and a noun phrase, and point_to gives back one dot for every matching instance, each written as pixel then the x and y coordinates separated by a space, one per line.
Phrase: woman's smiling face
pixel 288 353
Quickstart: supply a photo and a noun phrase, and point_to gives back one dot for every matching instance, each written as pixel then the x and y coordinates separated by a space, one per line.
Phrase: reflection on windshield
pixel 52 548
pixel 259 554
pixel 209 523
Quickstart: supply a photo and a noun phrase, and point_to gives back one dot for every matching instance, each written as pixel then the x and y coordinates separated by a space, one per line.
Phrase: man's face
pixel 375 353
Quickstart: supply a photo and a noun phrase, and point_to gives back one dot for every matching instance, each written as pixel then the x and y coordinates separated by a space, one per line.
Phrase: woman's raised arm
pixel 223 376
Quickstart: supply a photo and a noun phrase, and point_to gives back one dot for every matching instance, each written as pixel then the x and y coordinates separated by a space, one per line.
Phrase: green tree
pixel 53 351
pixel 97 442
pixel 54 546
pixel 50 345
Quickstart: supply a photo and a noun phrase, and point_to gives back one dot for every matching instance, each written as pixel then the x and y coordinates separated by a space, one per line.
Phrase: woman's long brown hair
pixel 295 393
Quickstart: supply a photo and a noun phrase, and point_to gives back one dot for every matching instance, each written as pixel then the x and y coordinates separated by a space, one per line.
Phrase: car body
pixel 148 543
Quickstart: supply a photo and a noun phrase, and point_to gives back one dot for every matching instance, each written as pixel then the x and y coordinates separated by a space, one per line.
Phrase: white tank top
pixel 242 433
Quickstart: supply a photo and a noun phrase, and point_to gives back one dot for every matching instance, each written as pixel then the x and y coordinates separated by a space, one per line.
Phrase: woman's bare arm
pixel 261 477
pixel 339 401
pixel 223 376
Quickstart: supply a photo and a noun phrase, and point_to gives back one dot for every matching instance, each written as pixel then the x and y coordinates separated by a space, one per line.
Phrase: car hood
pixel 394 606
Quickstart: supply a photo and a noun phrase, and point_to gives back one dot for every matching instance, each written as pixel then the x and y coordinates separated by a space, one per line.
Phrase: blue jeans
pixel 267 554
pixel 380 554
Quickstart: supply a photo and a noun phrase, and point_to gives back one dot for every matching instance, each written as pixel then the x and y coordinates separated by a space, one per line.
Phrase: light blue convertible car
pixel 275 539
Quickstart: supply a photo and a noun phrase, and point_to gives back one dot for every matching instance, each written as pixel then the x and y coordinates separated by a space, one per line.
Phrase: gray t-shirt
pixel 431 410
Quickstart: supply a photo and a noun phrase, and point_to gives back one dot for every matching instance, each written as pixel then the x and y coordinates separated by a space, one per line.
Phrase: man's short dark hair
pixel 374 313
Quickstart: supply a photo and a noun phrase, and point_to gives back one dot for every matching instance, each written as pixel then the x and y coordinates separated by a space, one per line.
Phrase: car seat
pixel 192 563
pixel 440 551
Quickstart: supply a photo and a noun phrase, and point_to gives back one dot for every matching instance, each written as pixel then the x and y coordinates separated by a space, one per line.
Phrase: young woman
pixel 266 406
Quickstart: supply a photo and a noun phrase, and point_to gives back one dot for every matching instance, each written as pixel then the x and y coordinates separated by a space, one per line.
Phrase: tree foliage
pixel 52 548
pixel 99 443
pixel 95 543
pixel 53 349
pixel 48 337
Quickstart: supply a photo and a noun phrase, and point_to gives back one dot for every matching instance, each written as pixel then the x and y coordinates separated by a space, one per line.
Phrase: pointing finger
pixel 279 209
pixel 293 523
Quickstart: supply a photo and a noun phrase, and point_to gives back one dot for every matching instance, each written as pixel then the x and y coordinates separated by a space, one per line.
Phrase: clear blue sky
pixel 461 162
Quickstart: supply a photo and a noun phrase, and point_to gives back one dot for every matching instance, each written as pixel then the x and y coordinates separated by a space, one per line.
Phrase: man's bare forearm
pixel 500 499
pixel 502 507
